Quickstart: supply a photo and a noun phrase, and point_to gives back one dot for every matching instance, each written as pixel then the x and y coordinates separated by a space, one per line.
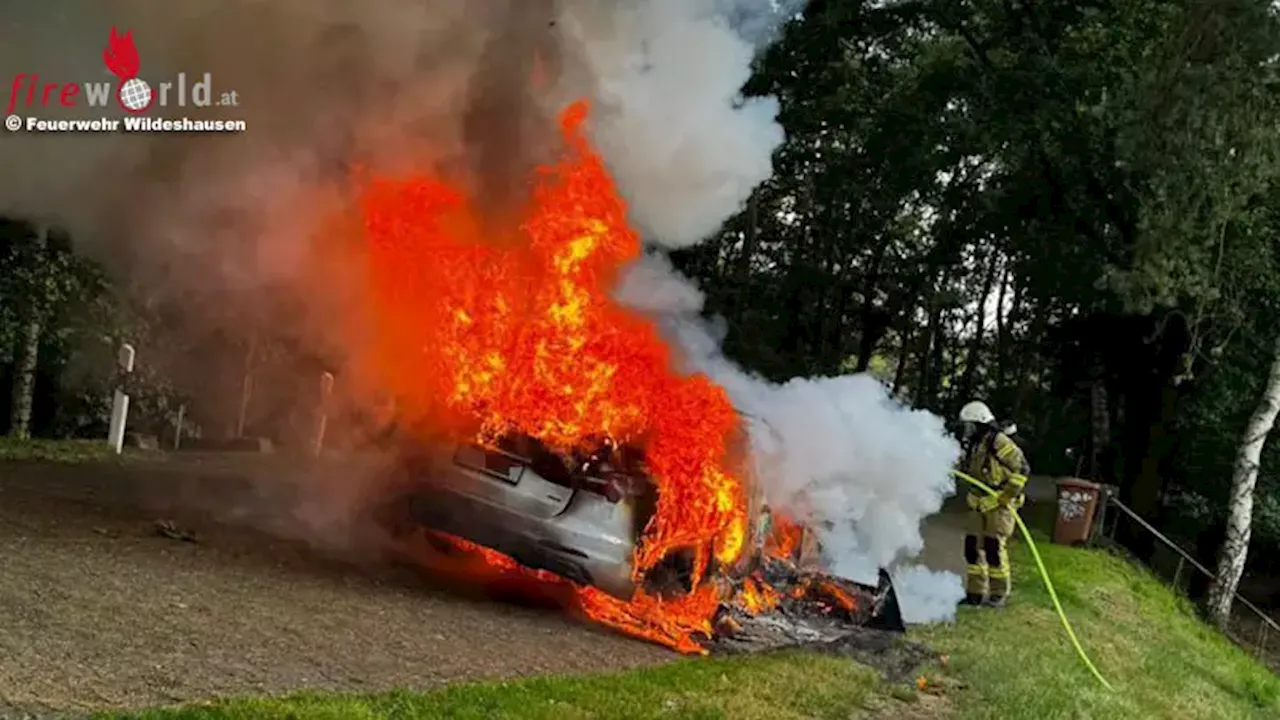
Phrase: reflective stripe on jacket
pixel 996 460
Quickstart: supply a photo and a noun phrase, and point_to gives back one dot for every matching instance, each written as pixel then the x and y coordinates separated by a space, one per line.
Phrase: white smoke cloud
pixel 838 453
pixel 684 146
pixel 926 596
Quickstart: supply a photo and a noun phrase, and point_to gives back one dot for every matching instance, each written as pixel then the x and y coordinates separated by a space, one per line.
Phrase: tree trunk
pixel 27 360
pixel 874 320
pixel 937 356
pixel 1244 477
pixel 904 355
pixel 949 380
pixel 969 380
pixel 1004 334
pixel 246 386
pixel 835 347
pixel 1100 425
pixel 798 284
pixel 1026 362
pixel 1148 484
pixel 24 380
pixel 743 271
pixel 923 395
pixel 816 353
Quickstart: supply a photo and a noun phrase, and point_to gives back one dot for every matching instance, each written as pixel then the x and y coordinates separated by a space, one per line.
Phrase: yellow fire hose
pixel 1044 575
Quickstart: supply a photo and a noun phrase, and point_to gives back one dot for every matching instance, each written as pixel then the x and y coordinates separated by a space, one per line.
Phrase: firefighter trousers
pixel 986 552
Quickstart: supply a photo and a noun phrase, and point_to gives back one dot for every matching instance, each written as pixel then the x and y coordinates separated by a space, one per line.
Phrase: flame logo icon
pixel 121 58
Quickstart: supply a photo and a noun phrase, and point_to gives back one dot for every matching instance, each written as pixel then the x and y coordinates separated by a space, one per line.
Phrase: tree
pixel 1244 479
pixel 50 297
pixel 27 355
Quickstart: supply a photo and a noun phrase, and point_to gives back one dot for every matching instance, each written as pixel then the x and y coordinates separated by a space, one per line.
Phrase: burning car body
pixel 566 449
pixel 582 518
pixel 578 517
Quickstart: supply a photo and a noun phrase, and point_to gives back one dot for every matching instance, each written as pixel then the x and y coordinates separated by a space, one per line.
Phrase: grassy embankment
pixel 1163 662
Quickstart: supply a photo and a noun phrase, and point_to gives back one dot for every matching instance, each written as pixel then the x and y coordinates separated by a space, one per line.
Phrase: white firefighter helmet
pixel 977 412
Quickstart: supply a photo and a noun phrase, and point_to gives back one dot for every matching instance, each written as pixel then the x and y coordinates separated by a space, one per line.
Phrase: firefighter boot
pixel 975 582
pixel 996 552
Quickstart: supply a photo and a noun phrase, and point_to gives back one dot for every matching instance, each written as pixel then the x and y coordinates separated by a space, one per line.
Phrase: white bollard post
pixel 322 421
pixel 120 399
pixel 177 427
pixel 246 386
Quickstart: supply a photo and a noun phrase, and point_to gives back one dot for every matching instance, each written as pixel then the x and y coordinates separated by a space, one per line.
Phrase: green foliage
pixel 83 320
pixel 782 686
pixel 1199 137
pixel 1211 425
pixel 1118 160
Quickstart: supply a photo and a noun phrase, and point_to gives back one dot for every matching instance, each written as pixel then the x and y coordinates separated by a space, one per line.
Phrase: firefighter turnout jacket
pixel 995 459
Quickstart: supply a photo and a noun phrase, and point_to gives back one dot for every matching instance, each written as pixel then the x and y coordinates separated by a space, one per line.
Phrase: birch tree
pixel 42 276
pixel 1244 478
pixel 27 357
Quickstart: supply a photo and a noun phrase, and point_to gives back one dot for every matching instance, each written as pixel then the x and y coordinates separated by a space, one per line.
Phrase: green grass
pixel 1147 641
pixel 61 451
pixel 1015 663
pixel 787 686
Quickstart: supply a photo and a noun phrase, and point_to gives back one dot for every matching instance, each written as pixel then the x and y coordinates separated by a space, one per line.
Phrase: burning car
pixel 576 515
pixel 523 348
pixel 581 517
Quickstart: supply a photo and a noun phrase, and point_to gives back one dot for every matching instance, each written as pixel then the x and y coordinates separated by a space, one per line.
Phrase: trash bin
pixel 1077 502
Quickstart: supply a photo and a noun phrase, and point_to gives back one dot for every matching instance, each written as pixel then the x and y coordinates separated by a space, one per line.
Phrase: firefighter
pixel 991 456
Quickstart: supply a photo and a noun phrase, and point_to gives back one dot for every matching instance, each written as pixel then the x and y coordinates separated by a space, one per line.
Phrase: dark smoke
pixel 232 236
pixel 506 131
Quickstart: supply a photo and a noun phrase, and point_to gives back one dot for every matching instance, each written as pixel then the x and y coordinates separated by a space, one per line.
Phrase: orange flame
pixel 834 596
pixel 757 596
pixel 838 596
pixel 478 339
pixel 784 538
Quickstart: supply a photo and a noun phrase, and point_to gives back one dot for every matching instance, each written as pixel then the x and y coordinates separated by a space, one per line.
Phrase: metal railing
pixel 1250 630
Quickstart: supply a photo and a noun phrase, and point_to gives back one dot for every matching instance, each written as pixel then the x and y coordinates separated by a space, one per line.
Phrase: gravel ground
pixel 98 610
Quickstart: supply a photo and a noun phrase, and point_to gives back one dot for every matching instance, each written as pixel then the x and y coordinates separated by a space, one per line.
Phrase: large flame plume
pixel 480 336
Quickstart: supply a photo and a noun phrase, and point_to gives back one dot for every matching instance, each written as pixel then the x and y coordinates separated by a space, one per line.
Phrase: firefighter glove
pixel 987 504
